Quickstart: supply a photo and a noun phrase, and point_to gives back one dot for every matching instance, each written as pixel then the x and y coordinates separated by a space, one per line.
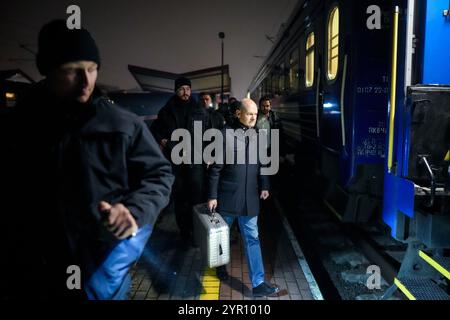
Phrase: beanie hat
pixel 182 82
pixel 58 45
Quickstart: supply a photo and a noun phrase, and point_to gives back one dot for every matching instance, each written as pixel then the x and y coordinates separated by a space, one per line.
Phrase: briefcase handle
pixel 213 216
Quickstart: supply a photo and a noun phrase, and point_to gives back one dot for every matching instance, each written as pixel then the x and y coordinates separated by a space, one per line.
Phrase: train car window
pixel 281 79
pixel 333 44
pixel 293 70
pixel 11 99
pixel 274 81
pixel 259 90
pixel 267 85
pixel 309 63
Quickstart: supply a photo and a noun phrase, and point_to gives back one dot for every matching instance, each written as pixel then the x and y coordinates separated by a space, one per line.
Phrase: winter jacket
pixel 236 186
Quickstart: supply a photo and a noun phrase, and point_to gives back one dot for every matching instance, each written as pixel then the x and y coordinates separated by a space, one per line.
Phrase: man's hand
pixel 212 204
pixel 264 194
pixel 118 219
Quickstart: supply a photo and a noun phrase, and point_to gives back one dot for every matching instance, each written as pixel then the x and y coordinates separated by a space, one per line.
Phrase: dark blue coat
pixel 64 160
pixel 237 186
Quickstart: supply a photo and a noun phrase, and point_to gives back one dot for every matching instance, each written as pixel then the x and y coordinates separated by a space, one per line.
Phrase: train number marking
pixel 372 90
pixel 377 130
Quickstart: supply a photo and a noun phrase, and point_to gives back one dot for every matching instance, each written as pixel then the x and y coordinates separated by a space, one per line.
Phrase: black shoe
pixel 222 273
pixel 265 290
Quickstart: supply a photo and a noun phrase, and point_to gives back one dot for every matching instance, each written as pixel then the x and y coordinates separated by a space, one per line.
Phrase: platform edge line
pixel 313 286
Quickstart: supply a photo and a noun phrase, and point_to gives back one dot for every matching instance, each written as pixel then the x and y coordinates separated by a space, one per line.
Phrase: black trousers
pixel 189 189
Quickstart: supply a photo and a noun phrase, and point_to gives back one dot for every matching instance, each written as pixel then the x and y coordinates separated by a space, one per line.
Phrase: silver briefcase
pixel 212 235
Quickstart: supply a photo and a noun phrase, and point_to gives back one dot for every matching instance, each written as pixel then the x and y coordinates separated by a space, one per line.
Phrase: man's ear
pixel 238 113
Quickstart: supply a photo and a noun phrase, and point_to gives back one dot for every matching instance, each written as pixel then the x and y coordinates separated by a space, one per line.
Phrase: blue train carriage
pixel 416 203
pixel 329 75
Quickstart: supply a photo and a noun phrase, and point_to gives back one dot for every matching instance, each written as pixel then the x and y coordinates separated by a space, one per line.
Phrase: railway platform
pixel 171 270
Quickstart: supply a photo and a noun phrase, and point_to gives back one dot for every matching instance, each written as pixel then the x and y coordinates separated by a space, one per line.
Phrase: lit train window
pixel 309 63
pixel 10 99
pixel 333 44
pixel 293 70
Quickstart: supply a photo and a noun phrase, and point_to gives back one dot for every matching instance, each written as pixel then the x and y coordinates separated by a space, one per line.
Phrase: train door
pixel 330 122
pixel 365 88
pixel 335 20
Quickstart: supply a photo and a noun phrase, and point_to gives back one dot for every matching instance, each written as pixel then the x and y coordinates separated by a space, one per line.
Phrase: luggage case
pixel 212 235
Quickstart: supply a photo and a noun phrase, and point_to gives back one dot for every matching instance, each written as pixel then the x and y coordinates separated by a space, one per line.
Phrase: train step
pixel 416 288
pixel 441 264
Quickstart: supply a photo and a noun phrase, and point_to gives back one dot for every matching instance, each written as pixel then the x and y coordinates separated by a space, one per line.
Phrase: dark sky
pixel 175 36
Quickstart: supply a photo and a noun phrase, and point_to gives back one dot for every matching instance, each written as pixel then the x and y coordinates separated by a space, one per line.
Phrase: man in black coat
pixel 175 115
pixel 236 189
pixel 181 112
pixel 87 180
pixel 210 118
pixel 217 121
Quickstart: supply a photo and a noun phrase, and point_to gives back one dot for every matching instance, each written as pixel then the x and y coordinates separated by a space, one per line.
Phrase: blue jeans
pixel 249 231
pixel 111 280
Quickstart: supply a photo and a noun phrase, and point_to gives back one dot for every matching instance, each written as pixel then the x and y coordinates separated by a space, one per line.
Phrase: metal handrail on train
pixel 344 75
pixel 393 88
pixel 423 159
pixel 318 93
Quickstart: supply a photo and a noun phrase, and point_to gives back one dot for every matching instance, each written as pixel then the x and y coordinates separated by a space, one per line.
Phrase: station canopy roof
pixel 208 80
pixel 15 75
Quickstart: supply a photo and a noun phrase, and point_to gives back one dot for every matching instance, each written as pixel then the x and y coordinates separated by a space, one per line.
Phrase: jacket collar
pixel 240 125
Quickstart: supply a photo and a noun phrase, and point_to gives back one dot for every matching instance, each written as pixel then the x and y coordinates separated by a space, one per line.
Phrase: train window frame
pixel 259 89
pixel 330 38
pixel 267 85
pixel 294 67
pixel 274 81
pixel 281 78
pixel 310 53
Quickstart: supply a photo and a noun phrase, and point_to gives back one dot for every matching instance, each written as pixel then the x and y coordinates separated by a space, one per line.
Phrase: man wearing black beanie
pixel 58 45
pixel 177 114
pixel 180 112
pixel 180 82
pixel 87 179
